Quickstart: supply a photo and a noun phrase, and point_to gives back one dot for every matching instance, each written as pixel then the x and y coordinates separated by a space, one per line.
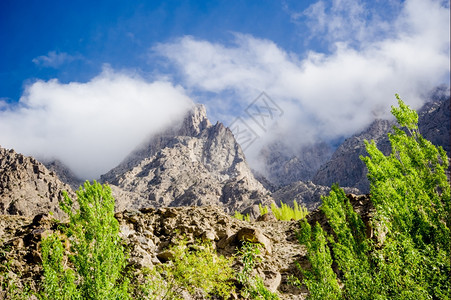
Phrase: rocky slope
pixel 148 233
pixel 64 173
pixel 27 187
pixel 195 163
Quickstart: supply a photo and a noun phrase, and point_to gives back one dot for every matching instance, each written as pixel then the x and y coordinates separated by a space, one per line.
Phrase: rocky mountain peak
pixel 195 121
pixel 193 163
pixel 27 187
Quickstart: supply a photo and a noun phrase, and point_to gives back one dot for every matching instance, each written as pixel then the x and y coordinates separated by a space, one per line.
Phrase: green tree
pixel 409 257
pixel 411 195
pixel 98 255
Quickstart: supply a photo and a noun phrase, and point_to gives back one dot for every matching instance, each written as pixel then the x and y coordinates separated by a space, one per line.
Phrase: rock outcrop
pixel 27 187
pixel 195 164
pixel 64 173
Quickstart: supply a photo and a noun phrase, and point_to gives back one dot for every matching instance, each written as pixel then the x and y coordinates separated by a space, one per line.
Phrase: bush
pixel 286 213
pixel 194 268
pixel 58 282
pixel 242 217
pixel 253 286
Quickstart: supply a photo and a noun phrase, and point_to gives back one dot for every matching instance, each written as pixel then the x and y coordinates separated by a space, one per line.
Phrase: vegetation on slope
pixel 282 213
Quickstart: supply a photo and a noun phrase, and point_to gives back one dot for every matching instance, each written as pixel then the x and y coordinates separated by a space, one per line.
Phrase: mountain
pixel 27 187
pixel 345 166
pixel 284 165
pixel 64 173
pixel 193 163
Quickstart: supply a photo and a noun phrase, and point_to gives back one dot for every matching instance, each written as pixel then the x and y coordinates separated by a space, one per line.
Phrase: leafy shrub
pixel 194 268
pixel 242 217
pixel 286 213
pixel 409 258
pixel 321 280
pixel 58 282
pixel 253 286
pixel 263 209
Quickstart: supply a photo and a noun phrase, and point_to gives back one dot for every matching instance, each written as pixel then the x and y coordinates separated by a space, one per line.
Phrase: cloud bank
pixel 326 95
pixel 90 126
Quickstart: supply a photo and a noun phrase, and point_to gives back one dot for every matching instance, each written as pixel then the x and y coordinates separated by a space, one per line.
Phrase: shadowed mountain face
pixel 194 163
pixel 283 166
pixel 345 166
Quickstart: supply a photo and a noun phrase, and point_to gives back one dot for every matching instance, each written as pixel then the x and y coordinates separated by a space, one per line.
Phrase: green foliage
pixel 96 251
pixel 58 282
pixel 242 217
pixel 409 257
pixel 253 286
pixel 194 268
pixel 263 209
pixel 320 280
pixel 286 213
pixel 411 194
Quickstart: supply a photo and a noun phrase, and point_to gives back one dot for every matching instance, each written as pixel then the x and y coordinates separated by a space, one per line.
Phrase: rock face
pixel 195 164
pixel 27 187
pixel 434 123
pixel 64 173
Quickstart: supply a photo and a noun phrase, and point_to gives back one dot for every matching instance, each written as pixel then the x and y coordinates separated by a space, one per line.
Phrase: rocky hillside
pixel 27 187
pixel 148 233
pixel 345 167
pixel 195 163
pixel 64 173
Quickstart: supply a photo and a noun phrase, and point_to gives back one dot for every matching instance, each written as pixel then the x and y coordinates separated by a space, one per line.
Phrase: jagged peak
pixel 195 121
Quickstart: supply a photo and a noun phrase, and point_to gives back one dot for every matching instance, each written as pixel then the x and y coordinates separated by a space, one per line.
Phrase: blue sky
pixel 79 79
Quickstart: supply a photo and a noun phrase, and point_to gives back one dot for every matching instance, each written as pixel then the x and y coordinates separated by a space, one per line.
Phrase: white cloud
pixel 323 95
pixel 54 59
pixel 90 126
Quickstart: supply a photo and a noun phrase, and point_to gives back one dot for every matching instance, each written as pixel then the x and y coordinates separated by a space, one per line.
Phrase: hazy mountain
pixel 64 173
pixel 284 165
